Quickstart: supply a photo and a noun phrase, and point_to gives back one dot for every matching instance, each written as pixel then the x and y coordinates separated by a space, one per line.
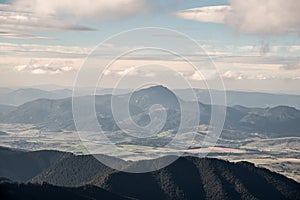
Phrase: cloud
pixel 107 72
pixel 232 75
pixel 268 17
pixel 256 59
pixel 260 77
pixel 38 50
pixel 28 16
pixel 202 75
pixel 260 49
pixel 236 75
pixel 131 71
pixel 16 23
pixel 170 36
pixel 150 74
pixel 197 77
pixel 10 34
pixel 227 75
pixel 12 20
pixel 291 66
pixel 39 68
pixel 213 14
pixel 83 9
pixel 289 49
pixel 264 47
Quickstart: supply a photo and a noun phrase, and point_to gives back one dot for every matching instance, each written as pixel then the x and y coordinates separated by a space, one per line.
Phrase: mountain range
pixel 15 191
pixel 56 114
pixel 63 175
pixel 16 97
pixel 247 99
pixel 23 95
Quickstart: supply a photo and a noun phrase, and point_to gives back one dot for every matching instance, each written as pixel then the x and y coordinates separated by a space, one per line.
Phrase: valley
pixel 277 154
pixel 268 137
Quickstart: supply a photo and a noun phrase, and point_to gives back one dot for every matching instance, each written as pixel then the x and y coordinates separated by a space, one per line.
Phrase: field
pixel 277 154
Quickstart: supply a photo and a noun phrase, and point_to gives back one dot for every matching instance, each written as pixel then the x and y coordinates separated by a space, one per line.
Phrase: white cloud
pixel 248 75
pixel 150 74
pixel 132 71
pixel 13 19
pixel 38 50
pixel 256 60
pixel 293 48
pixel 19 35
pixel 42 68
pixel 267 17
pixel 197 77
pixel 83 9
pixel 261 77
pixel 289 49
pixel 202 75
pixel 107 72
pixel 232 75
pixel 262 48
pixel 128 71
pixel 214 14
pixel 23 17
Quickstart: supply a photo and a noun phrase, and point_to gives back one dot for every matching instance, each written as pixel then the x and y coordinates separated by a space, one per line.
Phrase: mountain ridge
pixel 186 178
pixel 56 115
pixel 16 191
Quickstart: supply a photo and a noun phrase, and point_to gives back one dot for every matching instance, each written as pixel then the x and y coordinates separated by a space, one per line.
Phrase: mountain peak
pixel 283 109
pixel 156 88
pixel 155 95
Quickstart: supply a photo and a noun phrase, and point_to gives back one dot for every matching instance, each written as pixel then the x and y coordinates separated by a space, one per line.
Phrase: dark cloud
pixel 264 47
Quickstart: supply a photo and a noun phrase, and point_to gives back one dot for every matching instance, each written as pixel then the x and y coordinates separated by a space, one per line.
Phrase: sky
pixel 250 45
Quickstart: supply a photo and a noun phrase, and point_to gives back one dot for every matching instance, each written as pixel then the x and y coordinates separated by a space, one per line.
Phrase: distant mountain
pixel 4 90
pixel 247 99
pixel 62 93
pixel 20 96
pixel 51 114
pixel 154 95
pixel 56 115
pixel 186 178
pixel 281 120
pixel 49 87
pixel 5 109
pixel 20 191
